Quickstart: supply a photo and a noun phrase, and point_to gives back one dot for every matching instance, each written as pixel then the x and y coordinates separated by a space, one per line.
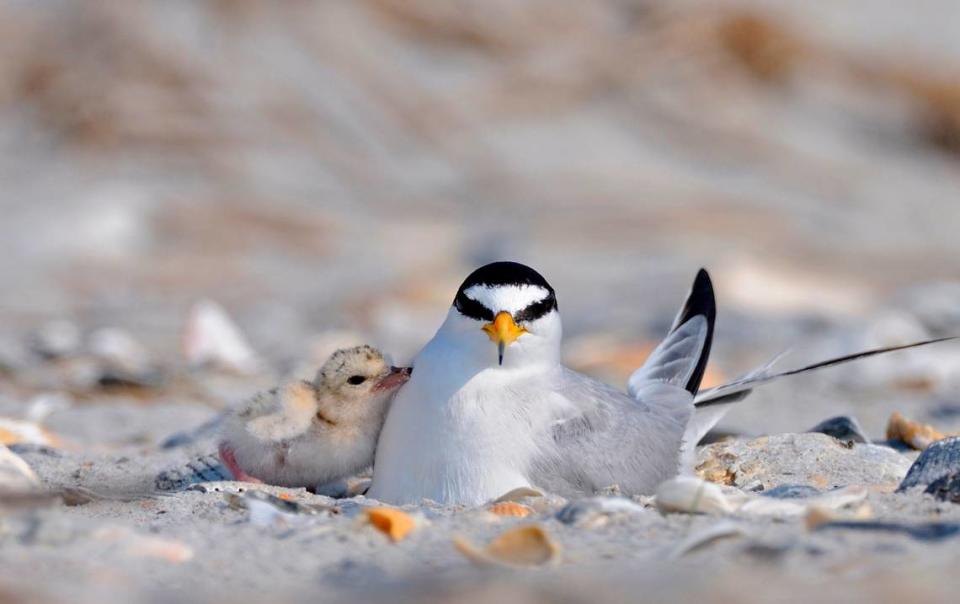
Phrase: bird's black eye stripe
pixel 356 380
pixel 472 308
pixel 536 310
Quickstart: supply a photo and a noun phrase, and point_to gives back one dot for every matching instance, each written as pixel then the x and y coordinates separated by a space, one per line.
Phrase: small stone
pixel 946 488
pixel 56 339
pixel 596 511
pixel 940 459
pixel 843 428
pixel 212 339
pixel 391 522
pixel 791 491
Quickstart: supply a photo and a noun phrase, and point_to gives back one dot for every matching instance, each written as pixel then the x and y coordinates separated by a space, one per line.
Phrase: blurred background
pixel 330 171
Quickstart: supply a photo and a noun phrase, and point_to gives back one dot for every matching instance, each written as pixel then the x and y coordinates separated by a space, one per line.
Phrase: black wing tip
pixel 701 301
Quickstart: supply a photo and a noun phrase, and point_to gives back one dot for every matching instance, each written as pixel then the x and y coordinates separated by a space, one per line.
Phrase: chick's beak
pixel 503 331
pixel 397 377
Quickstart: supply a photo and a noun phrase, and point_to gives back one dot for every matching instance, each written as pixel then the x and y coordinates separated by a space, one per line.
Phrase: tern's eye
pixel 356 380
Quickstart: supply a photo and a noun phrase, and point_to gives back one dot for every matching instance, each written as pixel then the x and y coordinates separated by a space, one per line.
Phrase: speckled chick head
pixel 356 381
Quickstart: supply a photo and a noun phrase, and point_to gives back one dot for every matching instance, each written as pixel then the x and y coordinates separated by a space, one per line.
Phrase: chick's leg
pixel 229 460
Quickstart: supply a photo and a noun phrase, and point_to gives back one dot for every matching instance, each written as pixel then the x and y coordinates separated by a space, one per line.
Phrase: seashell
pixel 510 508
pixel 391 522
pixel 18 431
pixel 211 338
pixel 145 546
pixel 691 495
pixel 917 435
pixel 817 514
pixel 940 459
pixel 791 491
pixel 518 494
pixel 721 530
pixel 522 546
pixel 120 350
pixel 843 427
pixel 15 474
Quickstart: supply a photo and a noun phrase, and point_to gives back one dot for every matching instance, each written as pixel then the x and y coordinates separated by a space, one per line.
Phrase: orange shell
pixel 510 508
pixel 390 521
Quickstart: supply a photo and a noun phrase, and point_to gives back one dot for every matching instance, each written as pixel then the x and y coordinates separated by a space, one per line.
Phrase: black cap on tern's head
pixel 506 296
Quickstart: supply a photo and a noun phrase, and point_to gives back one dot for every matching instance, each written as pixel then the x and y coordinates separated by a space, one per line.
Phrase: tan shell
pixel 523 546
pixel 510 508
pixel 917 435
pixel 391 522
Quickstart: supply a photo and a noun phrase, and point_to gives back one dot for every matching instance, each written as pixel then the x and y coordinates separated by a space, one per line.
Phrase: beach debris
pixel 15 473
pixel 390 521
pixel 593 512
pixel 266 509
pixel 518 494
pixel 510 508
pixel 791 491
pixel 523 546
pixel 56 339
pixel 934 468
pixel 43 405
pixel 945 488
pixel 18 431
pixel 721 530
pixel 691 495
pixel 843 427
pixel 137 545
pixel 206 468
pixel 922 531
pixel 816 515
pixel 119 350
pixel 916 435
pixel 212 339
pixel 810 458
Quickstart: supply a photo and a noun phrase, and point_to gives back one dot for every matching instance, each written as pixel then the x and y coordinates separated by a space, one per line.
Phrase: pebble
pixel 56 339
pixel 941 459
pixel 843 427
pixel 596 511
pixel 212 339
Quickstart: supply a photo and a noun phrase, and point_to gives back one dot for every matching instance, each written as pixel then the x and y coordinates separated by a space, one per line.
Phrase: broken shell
pixel 17 431
pixel 518 494
pixel 15 474
pixel 523 546
pixel 510 508
pixel 722 530
pixel 391 522
pixel 917 435
pixel 694 496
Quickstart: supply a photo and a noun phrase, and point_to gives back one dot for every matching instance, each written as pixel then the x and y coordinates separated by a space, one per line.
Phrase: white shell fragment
pixel 689 495
pixel 721 530
pixel 211 338
pixel 15 474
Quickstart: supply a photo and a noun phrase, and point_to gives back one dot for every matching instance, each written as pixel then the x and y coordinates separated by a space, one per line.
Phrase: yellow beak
pixel 503 331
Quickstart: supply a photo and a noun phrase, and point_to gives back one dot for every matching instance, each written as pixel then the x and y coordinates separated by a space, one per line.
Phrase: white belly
pixel 463 445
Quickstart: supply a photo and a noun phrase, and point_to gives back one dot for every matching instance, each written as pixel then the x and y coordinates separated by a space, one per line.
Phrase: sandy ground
pixel 329 172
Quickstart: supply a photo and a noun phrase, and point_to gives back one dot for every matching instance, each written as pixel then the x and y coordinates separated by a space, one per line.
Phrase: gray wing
pixel 634 440
pixel 612 438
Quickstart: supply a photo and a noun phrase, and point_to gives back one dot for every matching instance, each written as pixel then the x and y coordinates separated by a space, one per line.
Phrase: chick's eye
pixel 356 380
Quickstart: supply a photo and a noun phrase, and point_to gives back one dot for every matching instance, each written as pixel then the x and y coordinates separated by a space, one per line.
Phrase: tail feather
pixel 207 468
pixel 741 387
pixel 681 358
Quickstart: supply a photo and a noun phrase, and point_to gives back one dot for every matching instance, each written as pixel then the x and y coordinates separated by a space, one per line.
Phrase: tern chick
pixel 305 434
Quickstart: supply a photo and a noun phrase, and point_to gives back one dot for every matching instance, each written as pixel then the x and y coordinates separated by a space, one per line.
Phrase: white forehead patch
pixel 511 298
